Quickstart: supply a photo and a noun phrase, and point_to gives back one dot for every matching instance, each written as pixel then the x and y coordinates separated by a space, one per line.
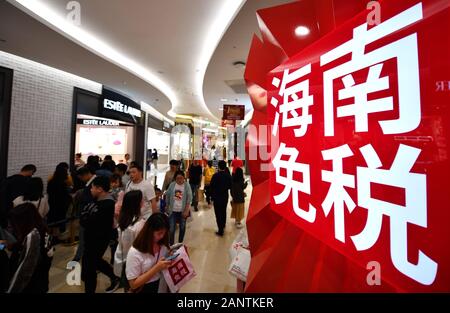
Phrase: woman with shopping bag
pixel 146 258
pixel 130 224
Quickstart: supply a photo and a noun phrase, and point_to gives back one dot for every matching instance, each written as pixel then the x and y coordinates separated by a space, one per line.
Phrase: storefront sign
pixel 97 122
pixel 120 107
pixel 363 154
pixel 233 112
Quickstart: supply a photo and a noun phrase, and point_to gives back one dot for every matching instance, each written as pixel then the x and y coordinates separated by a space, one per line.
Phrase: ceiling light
pixel 220 109
pixel 301 31
pixel 239 65
pixel 152 111
pixel 224 99
pixel 172 114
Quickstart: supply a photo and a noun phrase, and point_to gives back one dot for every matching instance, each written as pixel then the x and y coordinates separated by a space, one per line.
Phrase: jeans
pixel 194 188
pixel 177 217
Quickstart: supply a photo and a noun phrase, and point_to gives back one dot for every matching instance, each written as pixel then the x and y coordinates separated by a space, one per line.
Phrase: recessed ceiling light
pixel 239 64
pixel 223 99
pixel 220 109
pixel 301 31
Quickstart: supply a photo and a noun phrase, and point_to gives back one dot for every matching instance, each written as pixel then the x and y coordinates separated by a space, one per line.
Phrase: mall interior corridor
pixel 318 131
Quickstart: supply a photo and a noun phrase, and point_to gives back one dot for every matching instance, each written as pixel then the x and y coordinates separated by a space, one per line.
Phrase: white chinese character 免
pixel 406 53
pixel 414 211
pixel 291 185
pixel 292 102
pixel 337 194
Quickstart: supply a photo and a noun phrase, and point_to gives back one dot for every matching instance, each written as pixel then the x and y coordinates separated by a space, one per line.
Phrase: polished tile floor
pixel 209 255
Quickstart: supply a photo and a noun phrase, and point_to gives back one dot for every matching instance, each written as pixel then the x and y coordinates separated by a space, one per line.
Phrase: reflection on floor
pixel 209 255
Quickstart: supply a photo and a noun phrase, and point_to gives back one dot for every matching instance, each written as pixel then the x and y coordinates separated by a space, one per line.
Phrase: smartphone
pixel 172 257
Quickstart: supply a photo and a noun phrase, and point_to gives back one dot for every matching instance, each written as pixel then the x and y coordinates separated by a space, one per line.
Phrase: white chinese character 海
pixel 290 184
pixel 414 211
pixel 337 194
pixel 403 50
pixel 292 102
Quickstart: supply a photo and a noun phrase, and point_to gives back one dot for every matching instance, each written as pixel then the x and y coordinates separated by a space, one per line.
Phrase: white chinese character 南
pixel 292 102
pixel 290 184
pixel 337 194
pixel 405 52
pixel 414 211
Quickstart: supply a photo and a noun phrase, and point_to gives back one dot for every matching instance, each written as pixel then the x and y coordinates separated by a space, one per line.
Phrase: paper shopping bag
pixel 240 264
pixel 182 271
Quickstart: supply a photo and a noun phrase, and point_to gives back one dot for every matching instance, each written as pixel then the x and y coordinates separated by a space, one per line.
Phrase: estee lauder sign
pixel 120 107
pixel 116 106
pixel 98 122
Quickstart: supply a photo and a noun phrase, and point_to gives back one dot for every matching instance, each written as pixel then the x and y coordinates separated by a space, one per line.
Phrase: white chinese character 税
pixel 290 184
pixel 414 211
pixel 405 52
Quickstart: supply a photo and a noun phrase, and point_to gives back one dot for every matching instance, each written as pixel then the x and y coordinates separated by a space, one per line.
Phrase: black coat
pixel 59 200
pixel 220 185
pixel 237 191
pixel 11 188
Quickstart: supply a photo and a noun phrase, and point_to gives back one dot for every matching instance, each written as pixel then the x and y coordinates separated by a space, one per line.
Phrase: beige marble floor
pixel 208 252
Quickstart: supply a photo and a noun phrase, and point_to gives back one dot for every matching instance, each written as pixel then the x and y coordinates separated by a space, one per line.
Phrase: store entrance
pixel 100 136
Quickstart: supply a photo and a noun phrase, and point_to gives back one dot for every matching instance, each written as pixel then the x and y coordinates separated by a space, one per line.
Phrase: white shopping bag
pixel 241 263
pixel 241 240
pixel 180 272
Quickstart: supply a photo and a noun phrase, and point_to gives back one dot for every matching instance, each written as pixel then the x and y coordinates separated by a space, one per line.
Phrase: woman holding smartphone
pixel 146 258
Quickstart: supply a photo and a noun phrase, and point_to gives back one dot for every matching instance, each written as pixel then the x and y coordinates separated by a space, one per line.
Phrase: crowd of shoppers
pixel 116 208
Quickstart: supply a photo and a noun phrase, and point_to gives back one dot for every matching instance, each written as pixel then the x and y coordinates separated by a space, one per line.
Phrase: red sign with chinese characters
pixel 233 112
pixel 362 163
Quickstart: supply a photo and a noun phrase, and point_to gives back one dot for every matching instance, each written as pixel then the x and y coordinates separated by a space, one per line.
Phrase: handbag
pixel 180 272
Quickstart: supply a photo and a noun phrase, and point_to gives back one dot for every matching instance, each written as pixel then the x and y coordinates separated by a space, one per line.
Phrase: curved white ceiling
pixel 234 46
pixel 166 43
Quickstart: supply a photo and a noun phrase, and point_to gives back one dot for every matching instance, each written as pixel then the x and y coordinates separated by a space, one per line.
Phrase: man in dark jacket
pixel 81 199
pixel 220 185
pixel 195 180
pixel 97 220
pixel 13 187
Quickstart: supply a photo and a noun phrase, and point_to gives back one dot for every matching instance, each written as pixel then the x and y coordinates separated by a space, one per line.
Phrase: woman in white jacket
pixel 130 224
